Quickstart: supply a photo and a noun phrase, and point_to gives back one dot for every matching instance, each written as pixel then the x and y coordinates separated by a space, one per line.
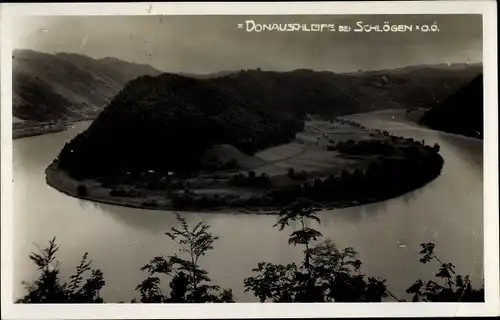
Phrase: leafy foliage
pixel 453 287
pixel 327 274
pixel 262 181
pixel 48 287
pixel 189 282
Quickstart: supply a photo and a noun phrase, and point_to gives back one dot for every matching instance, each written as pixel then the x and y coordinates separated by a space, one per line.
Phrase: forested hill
pixel 328 93
pixel 165 122
pixel 66 85
pixel 461 113
pixel 72 86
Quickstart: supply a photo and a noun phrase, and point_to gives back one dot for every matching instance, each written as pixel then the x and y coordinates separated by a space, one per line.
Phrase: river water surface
pixel 448 211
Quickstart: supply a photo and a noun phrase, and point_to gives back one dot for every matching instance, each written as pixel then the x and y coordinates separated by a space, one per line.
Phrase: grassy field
pixel 307 152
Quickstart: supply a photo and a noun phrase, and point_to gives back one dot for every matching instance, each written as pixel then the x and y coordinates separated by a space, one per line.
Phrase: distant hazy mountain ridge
pixel 76 86
pixel 66 85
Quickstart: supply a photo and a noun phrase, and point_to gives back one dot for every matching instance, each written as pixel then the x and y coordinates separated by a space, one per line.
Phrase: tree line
pixel 403 164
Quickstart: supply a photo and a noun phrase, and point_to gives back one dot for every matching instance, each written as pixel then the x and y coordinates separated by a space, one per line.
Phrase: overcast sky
pixel 203 44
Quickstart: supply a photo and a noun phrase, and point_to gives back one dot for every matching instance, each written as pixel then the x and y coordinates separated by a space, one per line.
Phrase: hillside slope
pixel 330 94
pixel 165 123
pixel 67 86
pixel 82 86
pixel 33 98
pixel 461 113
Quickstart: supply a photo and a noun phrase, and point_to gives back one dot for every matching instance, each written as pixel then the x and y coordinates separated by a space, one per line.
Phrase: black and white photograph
pixel 245 159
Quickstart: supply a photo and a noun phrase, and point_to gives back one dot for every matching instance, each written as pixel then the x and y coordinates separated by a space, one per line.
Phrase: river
pixel 448 211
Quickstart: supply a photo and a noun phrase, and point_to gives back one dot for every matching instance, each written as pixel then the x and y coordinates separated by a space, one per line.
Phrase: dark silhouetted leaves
pixel 327 273
pixel 48 287
pixel 189 282
pixel 450 291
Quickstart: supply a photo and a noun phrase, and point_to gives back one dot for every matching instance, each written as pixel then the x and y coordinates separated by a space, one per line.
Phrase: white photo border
pixel 257 310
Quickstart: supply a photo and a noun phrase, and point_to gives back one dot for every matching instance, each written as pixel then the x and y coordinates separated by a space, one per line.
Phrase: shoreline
pixel 62 182
pixel 26 129
pixel 341 172
pixel 19 133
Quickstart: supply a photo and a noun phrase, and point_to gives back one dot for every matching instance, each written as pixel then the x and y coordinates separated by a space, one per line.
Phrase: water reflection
pixel 159 221
pixel 354 214
pixel 370 210
pixel 469 149
pixel 154 221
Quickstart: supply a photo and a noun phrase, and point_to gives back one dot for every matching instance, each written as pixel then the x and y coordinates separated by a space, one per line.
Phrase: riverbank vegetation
pixel 175 118
pixel 346 164
pixel 326 273
pixel 30 128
